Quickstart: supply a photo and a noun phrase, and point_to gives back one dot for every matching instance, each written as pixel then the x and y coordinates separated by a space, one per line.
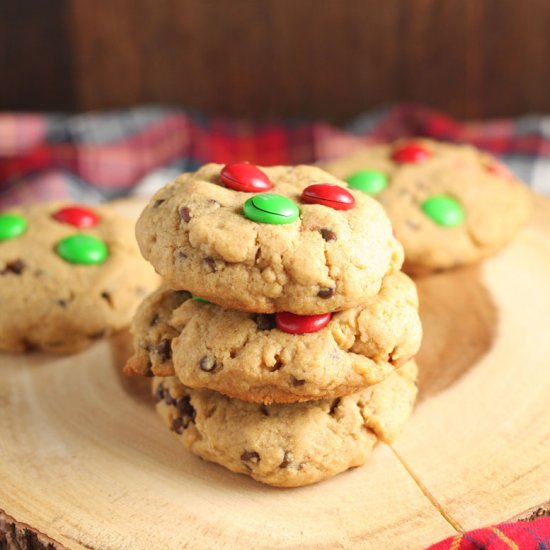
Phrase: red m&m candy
pixel 245 177
pixel 301 324
pixel 77 216
pixel 329 195
pixel 412 153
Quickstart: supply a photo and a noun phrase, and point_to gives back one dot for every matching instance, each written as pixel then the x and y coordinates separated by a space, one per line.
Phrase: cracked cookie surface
pixel 197 237
pixel 246 356
pixel 479 204
pixel 49 303
pixel 287 445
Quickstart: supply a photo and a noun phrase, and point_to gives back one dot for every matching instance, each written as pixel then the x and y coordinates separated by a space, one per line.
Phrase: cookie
pixel 68 275
pixel 301 247
pixel 277 357
pixel 450 205
pixel 287 445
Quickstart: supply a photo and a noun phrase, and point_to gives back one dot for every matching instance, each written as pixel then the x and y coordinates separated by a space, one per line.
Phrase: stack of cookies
pixel 281 343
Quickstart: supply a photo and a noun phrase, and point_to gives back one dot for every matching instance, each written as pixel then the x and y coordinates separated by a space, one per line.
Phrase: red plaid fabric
pixel 98 156
pixel 533 535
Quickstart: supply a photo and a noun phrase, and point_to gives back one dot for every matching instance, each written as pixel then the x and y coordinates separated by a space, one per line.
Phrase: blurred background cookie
pixel 68 275
pixel 450 205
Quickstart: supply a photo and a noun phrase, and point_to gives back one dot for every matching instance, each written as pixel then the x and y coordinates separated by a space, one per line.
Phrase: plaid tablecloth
pixel 97 156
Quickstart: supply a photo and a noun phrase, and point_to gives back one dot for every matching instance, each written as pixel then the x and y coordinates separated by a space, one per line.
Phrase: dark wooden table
pixel 330 59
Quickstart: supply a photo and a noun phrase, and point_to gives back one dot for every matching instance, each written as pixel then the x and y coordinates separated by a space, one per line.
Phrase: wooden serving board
pixel 86 463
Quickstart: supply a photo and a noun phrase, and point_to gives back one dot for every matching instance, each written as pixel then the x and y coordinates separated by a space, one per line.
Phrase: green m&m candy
pixel 271 208
pixel 443 210
pixel 82 249
pixel 11 226
pixel 199 299
pixel 371 182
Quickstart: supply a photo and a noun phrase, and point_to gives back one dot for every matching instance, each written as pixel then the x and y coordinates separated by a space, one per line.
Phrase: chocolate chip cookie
pixel 450 205
pixel 68 275
pixel 287 445
pixel 277 357
pixel 272 239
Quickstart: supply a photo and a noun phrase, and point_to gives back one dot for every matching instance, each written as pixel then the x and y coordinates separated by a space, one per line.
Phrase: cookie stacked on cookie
pixel 281 343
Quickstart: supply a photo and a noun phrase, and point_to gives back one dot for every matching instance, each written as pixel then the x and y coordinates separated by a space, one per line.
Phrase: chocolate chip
pixel 168 399
pixel 211 263
pixel 250 456
pixel 328 234
pixel 178 425
pixel 265 322
pixel 16 268
pixel 157 203
pixel 28 345
pixel 185 214
pixel 278 364
pixel 263 410
pixel 164 350
pixel 159 393
pixel 149 370
pixel 182 405
pixel 154 321
pixel 297 382
pixel 287 459
pixel 107 297
pixel 326 293
pixel 333 406
pixel 186 410
pixel 207 364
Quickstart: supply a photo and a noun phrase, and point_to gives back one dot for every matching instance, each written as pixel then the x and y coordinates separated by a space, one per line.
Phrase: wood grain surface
pixel 86 463
pixel 330 59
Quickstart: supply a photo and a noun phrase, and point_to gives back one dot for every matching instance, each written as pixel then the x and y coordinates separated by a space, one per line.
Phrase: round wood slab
pixel 86 463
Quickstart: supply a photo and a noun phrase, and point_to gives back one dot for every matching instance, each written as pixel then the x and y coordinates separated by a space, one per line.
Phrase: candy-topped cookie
pixel 280 357
pixel 68 275
pixel 449 204
pixel 287 445
pixel 269 239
